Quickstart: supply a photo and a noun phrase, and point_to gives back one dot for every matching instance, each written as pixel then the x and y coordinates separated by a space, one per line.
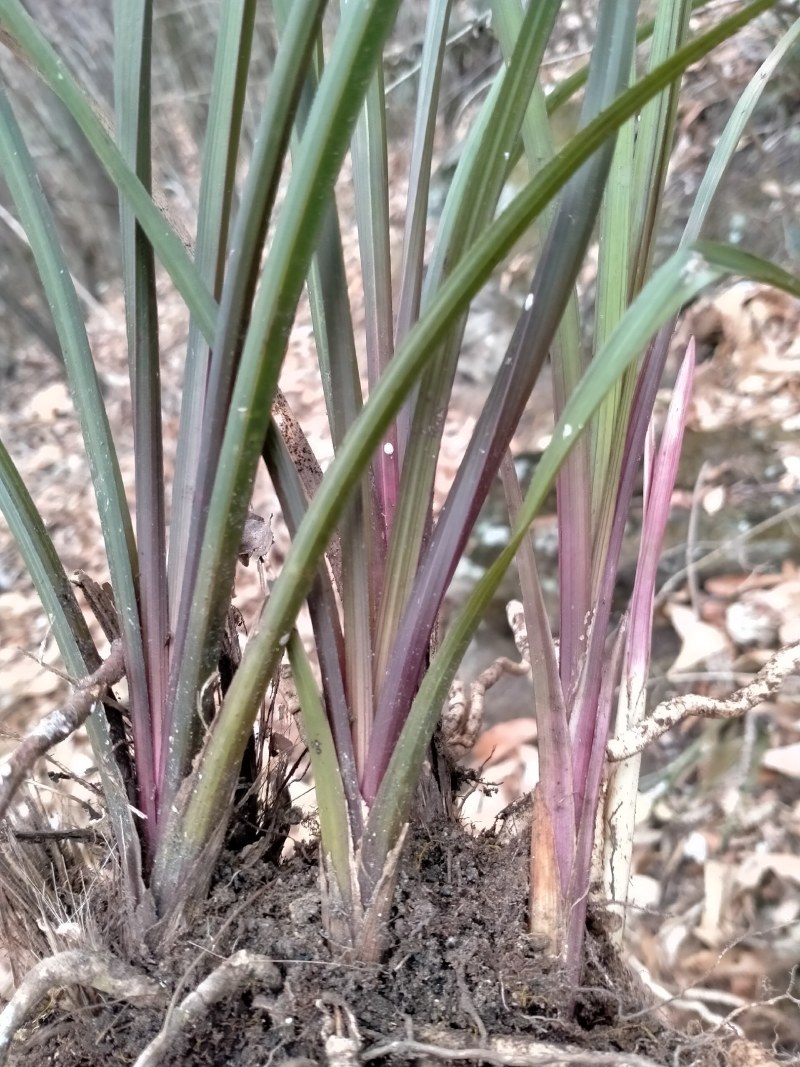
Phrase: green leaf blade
pixel 115 518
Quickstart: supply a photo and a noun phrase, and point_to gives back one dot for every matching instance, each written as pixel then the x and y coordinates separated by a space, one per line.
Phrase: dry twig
pixel 671 712
pixel 59 724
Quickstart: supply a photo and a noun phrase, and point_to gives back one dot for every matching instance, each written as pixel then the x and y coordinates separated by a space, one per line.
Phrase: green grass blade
pixel 371 188
pixel 324 618
pixel 77 650
pixel 241 278
pixel 30 43
pixel 627 244
pixel 430 76
pixel 655 134
pixel 366 524
pixel 232 727
pixel 609 71
pixel 734 128
pixel 112 506
pixel 250 229
pixel 614 290
pixel 133 29
pixel 416 228
pixel 671 287
pixel 359 550
pixel 328 296
pixel 471 203
pixel 486 253
pixel 217 187
pixel 567 344
pixel 678 281
pixel 733 260
pixel 257 203
pixel 333 817
pixel 336 352
pixel 325 141
pixel 551 288
pixel 537 136
pixel 571 85
pixel 331 317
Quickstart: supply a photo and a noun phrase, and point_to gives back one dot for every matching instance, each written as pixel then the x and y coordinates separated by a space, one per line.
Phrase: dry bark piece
pixel 100 599
pixel 308 469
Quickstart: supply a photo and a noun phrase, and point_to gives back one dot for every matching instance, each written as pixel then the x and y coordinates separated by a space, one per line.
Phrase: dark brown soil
pixel 459 971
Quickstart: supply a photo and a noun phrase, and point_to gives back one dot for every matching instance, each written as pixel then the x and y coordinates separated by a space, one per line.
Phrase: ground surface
pixel 459 969
pixel 714 930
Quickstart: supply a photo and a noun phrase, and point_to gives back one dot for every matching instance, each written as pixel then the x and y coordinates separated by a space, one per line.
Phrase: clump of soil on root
pixel 459 971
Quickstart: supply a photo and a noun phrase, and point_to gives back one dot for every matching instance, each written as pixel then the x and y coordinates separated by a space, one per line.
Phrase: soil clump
pixel 459 972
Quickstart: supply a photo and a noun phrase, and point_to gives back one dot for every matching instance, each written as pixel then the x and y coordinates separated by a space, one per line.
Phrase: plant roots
pixel 98 970
pixel 238 972
pixel 671 712
pixel 59 724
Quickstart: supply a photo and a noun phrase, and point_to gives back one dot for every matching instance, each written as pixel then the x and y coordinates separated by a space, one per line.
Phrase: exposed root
pixel 671 712
pixel 462 718
pixel 59 724
pixel 344 1046
pixel 241 970
pixel 98 970
pixel 340 1032
pixel 507 1052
